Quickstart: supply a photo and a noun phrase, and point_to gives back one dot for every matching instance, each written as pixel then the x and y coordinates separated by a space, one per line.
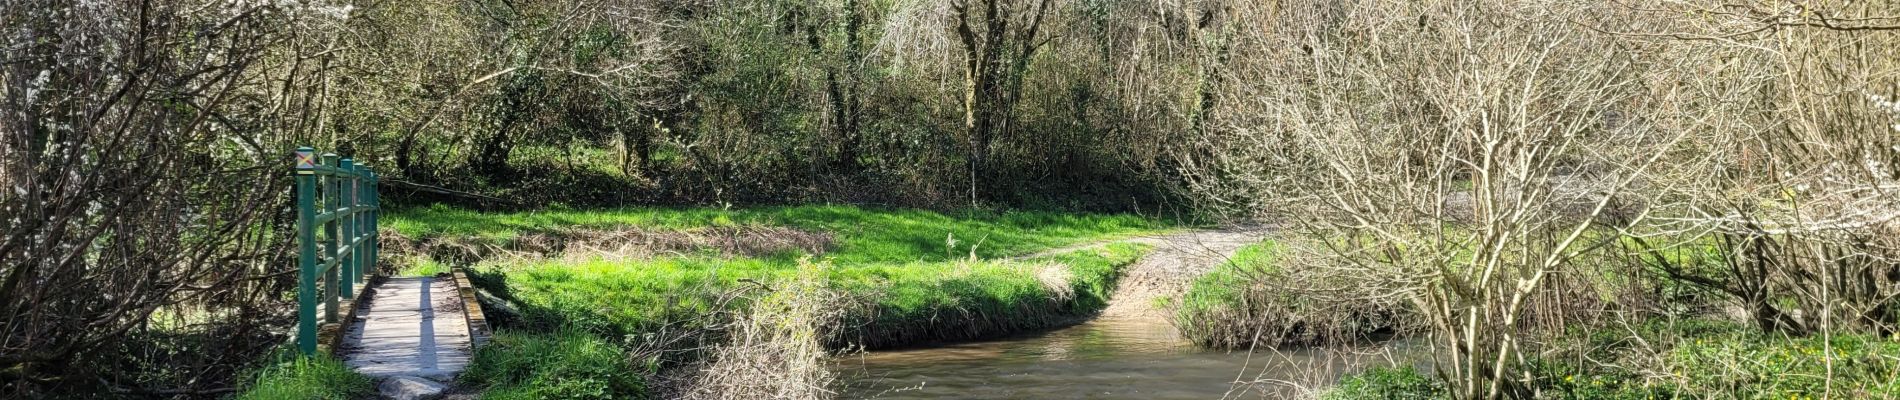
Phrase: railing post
pixel 331 199
pixel 369 220
pixel 305 166
pixel 347 266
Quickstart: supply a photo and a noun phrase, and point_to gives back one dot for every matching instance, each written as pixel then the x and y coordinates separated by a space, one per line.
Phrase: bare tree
pixel 138 157
pixel 1458 152
pixel 1000 39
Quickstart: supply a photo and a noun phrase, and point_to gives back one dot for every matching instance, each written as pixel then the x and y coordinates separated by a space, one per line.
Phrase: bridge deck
pixel 410 327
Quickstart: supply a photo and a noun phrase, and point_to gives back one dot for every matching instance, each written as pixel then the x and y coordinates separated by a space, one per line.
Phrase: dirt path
pixel 1168 269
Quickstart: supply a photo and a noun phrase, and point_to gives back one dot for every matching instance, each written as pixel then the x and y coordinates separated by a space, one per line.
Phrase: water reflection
pixel 1128 358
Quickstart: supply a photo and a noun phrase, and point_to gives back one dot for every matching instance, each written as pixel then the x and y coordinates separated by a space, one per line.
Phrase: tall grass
pixel 306 378
pixel 620 297
pixel 775 349
pixel 563 364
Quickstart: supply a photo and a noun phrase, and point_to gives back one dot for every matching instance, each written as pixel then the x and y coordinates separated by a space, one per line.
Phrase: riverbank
pixel 614 302
pixel 1617 326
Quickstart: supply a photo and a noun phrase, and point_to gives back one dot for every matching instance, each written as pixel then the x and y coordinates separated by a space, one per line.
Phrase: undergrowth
pixel 1253 299
pixel 1382 383
pixel 1682 359
pixel 562 364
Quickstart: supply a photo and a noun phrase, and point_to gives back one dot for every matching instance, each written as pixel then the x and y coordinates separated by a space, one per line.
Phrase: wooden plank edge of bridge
pixel 478 330
pixel 330 334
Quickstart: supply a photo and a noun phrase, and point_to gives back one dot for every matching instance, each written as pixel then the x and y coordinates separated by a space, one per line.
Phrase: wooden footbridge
pixel 414 334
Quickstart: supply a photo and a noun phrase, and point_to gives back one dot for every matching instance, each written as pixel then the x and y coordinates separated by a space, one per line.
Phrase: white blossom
pixel 33 88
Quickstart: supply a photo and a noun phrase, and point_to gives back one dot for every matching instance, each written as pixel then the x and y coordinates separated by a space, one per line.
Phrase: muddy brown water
pixel 1130 352
pixel 1122 358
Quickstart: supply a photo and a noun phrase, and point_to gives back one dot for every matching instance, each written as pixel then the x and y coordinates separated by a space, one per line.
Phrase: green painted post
pixel 306 250
pixel 376 219
pixel 369 218
pixel 348 265
pixel 331 199
pixel 361 221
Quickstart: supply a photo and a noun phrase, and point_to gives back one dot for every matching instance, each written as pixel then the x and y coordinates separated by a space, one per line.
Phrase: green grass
pixel 1404 383
pixel 571 309
pixel 309 378
pixel 1686 359
pixel 863 235
pixel 1254 300
pixel 563 364
pixel 619 297
pixel 1215 312
pixel 913 276
pixel 1226 284
pixel 895 255
pixel 422 266
pixel 631 297
pixel 1720 359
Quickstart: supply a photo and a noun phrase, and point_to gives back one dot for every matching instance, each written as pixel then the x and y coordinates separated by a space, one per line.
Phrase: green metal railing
pixel 338 198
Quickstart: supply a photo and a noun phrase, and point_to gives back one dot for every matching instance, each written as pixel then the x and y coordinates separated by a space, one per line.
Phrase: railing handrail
pixel 348 218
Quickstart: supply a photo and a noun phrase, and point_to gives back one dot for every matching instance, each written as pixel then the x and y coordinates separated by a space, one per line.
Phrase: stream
pixel 1121 358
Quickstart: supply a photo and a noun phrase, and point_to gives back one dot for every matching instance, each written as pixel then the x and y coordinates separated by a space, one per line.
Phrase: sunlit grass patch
pixel 621 297
pixel 1404 383
pixel 864 235
pixel 1703 358
pixel 562 364
pixel 1269 294
pixel 1215 311
pixel 311 378
pixel 422 266
pixel 902 277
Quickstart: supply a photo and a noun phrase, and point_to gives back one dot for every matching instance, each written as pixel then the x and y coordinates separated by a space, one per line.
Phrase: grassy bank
pixel 1255 299
pixel 1216 311
pixel 860 235
pixel 649 286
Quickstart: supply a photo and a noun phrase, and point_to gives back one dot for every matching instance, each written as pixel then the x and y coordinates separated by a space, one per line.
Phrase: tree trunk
pixel 996 59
